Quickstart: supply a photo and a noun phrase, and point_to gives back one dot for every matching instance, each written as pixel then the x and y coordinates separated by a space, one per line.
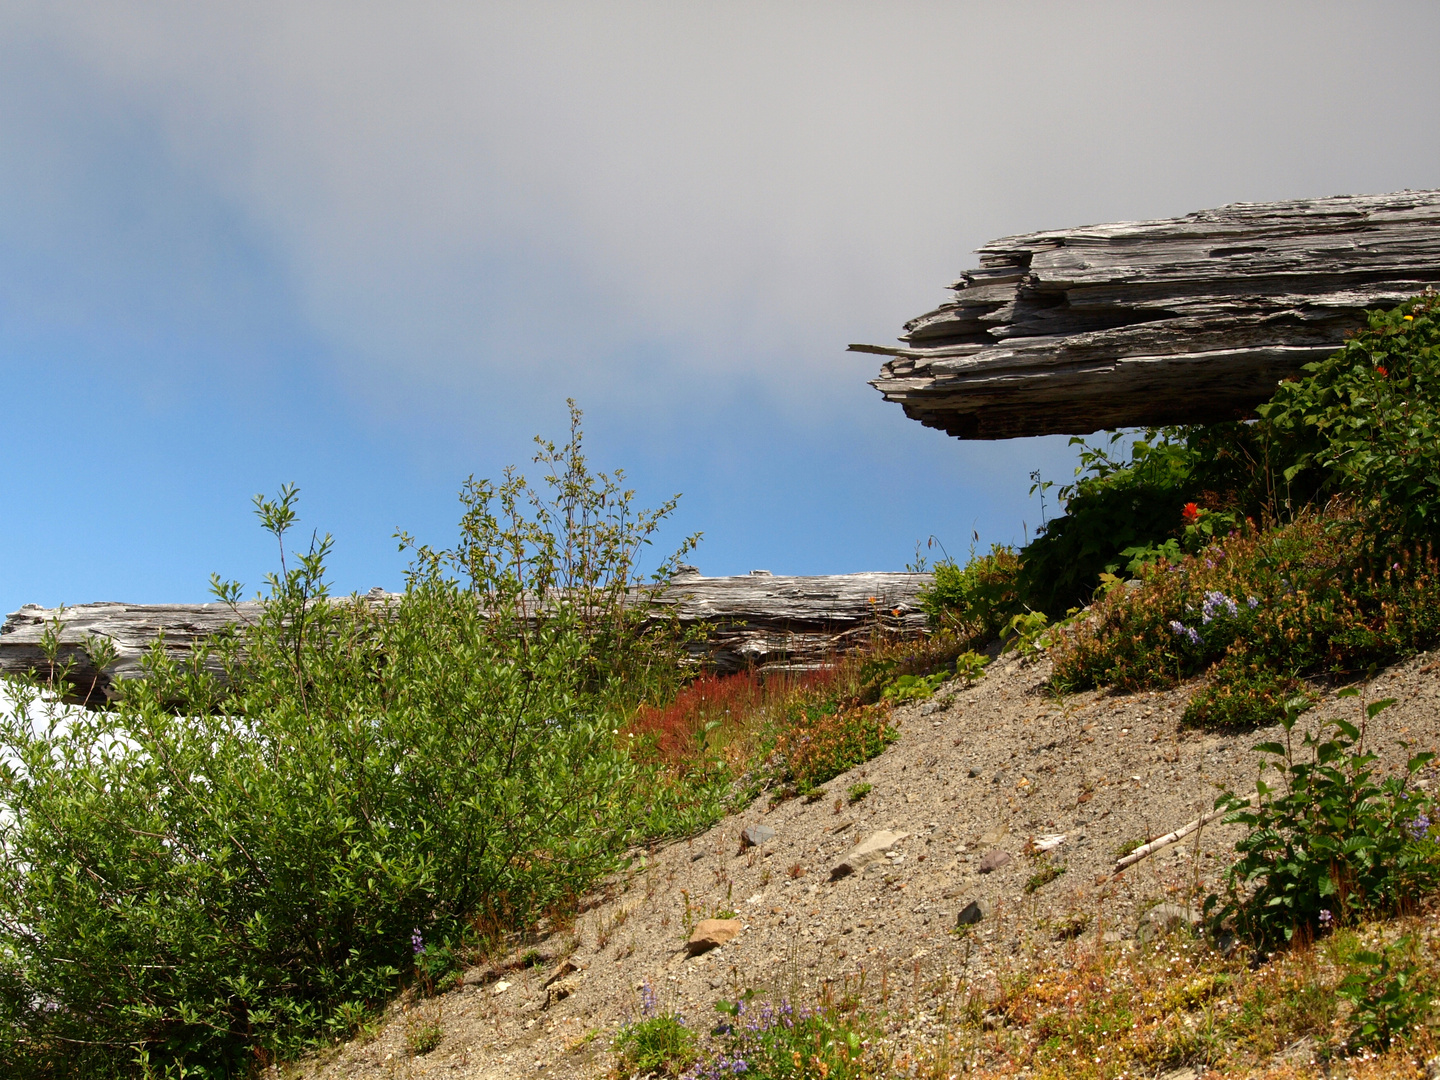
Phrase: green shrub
pixel 1045 872
pixel 1333 844
pixel 657 1044
pixel 1242 695
pixel 1361 425
pixel 1386 999
pixel 1366 419
pixel 1312 596
pixel 913 687
pixel 975 600
pixel 780 1042
pixel 970 666
pixel 423 1034
pixel 209 875
pixel 826 739
pixel 1113 505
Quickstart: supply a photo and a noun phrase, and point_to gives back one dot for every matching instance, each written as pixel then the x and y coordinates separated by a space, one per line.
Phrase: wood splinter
pixel 1145 850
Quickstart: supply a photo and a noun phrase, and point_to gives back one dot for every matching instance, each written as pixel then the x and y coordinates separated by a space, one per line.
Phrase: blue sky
pixel 371 249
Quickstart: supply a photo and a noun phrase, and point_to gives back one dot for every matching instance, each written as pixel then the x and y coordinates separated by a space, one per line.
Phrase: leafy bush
pixel 1331 846
pixel 1311 596
pixel 913 687
pixel 829 738
pixel 974 601
pixel 1366 419
pixel 1360 425
pixel 1242 695
pixel 781 1042
pixel 1385 997
pixel 214 873
pixel 970 666
pixel 658 1044
pixel 1112 506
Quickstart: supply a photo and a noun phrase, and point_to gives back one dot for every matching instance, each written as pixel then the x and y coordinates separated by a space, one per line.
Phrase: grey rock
pixel 972 913
pixel 755 835
pixel 869 850
pixel 1163 919
pixel 994 860
pixel 973 773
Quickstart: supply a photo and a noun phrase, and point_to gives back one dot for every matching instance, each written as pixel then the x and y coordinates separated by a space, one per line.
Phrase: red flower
pixel 1191 513
pixel 1382 371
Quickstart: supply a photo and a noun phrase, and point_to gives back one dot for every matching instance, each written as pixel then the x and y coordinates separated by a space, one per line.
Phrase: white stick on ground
pixel 1169 838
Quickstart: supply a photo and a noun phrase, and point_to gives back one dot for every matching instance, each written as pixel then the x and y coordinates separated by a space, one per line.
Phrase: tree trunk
pixel 758 621
pixel 1144 323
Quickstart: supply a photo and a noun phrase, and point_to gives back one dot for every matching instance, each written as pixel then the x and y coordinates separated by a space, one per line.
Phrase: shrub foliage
pixel 1333 843
pixel 217 870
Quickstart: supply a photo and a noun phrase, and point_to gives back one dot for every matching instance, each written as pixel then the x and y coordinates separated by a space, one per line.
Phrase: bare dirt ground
pixel 977 769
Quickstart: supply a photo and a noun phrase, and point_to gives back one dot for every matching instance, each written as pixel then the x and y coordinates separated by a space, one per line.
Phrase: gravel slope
pixel 976 770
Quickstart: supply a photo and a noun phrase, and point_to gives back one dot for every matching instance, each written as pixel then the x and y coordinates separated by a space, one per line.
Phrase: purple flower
pixel 417 942
pixel 1326 919
pixel 1217 603
pixel 1251 603
pixel 648 1001
pixel 1189 633
pixel 1420 826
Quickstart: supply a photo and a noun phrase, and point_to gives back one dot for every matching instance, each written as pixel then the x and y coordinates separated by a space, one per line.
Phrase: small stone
pixel 972 913
pixel 711 934
pixel 755 835
pixel 994 860
pixel 1162 919
pixel 973 773
pixel 561 990
pixel 866 852
pixel 500 987
pixel 566 968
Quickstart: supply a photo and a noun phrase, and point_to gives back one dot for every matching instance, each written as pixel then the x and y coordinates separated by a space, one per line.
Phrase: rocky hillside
pixel 1002 804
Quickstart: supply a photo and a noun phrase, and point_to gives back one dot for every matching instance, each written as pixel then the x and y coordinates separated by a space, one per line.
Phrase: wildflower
pixel 1191 513
pixel 1216 603
pixel 1252 603
pixel 1381 371
pixel 1420 826
pixel 648 1001
pixel 1189 633
pixel 417 942
pixel 1409 318
pixel 1326 919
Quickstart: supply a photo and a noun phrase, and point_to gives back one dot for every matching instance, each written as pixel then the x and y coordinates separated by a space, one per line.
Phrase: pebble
pixel 994 860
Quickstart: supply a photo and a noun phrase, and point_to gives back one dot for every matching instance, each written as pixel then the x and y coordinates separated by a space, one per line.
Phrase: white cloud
pixel 618 200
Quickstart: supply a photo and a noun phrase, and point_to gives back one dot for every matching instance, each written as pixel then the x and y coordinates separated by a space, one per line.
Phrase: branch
pixel 1179 834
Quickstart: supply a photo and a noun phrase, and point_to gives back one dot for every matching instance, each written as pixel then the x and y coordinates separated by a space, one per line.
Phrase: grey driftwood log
pixel 1143 323
pixel 756 621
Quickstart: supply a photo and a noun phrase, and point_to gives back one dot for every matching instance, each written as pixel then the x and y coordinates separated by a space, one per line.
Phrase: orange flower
pixel 1191 513
pixel 1381 369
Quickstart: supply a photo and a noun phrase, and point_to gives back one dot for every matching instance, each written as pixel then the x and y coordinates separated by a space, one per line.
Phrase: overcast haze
pixel 371 248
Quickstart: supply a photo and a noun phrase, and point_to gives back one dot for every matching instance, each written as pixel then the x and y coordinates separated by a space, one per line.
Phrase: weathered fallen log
pixel 758 621
pixel 1139 323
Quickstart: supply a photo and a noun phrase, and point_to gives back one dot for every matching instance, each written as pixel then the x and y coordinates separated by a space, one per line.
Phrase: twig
pixel 1179 834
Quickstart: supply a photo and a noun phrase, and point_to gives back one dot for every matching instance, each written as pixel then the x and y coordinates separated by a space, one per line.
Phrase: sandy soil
pixel 976 769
